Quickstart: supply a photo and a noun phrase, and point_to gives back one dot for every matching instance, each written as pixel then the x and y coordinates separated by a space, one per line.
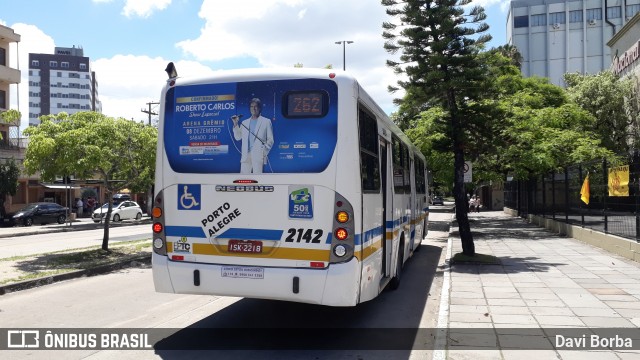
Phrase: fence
pixel 557 196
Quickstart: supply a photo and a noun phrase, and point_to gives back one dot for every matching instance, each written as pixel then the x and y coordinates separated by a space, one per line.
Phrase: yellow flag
pixel 619 181
pixel 584 192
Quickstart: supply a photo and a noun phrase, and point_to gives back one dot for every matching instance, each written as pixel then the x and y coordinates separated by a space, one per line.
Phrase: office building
pixel 560 36
pixel 59 82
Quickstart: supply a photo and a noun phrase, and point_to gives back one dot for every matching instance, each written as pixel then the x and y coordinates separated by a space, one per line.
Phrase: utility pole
pixel 150 112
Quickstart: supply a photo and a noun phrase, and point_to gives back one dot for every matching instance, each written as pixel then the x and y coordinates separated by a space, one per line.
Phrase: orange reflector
pixel 341 234
pixel 342 216
pixel 177 257
pixel 157 227
pixel 317 264
pixel 156 212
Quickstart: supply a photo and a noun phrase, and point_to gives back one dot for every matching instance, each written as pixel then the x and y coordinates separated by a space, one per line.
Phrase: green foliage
pixel 9 173
pixel 119 152
pixel 608 99
pixel 88 144
pixel 11 117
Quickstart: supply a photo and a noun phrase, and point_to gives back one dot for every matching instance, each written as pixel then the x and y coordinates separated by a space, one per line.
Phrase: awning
pixel 60 186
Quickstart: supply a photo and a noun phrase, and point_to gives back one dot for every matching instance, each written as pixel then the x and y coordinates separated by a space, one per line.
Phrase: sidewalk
pixel 547 289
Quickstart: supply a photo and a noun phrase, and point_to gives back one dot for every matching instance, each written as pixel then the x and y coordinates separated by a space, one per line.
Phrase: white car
pixel 122 211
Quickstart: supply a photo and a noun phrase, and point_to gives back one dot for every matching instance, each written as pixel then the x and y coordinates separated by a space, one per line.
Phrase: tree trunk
pixel 107 220
pixel 462 208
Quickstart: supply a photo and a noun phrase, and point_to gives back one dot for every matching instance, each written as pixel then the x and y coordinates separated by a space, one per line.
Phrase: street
pixel 43 243
pixel 126 299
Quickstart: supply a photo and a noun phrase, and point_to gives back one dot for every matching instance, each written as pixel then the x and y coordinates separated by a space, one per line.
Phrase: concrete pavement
pixel 547 294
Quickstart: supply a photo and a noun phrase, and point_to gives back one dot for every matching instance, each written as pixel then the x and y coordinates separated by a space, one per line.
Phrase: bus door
pixel 387 208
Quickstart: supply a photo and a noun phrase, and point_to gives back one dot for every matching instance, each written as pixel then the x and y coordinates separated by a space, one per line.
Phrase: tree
pixel 11 117
pixel 511 52
pixel 119 152
pixel 440 45
pixel 611 101
pixel 9 173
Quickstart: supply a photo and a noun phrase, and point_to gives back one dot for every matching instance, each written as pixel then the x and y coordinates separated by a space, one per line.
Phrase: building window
pixel 594 14
pixel 614 12
pixel 35 63
pixel 575 16
pixel 538 20
pixel 83 66
pixel 3 99
pixel 53 64
pixel 632 10
pixel 520 21
pixel 64 64
pixel 3 56
pixel 557 18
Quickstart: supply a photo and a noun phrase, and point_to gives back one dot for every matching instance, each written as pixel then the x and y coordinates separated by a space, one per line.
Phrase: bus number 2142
pixel 308 235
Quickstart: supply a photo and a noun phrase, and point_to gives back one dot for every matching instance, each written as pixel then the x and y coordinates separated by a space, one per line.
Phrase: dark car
pixel 118 198
pixel 41 213
pixel 437 200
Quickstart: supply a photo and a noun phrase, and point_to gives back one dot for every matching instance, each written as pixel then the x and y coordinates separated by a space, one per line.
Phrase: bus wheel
pixel 395 281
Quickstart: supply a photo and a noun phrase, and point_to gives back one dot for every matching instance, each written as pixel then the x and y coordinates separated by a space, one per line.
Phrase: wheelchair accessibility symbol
pixel 189 196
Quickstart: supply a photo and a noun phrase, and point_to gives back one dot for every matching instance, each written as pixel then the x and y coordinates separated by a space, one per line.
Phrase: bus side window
pixel 369 168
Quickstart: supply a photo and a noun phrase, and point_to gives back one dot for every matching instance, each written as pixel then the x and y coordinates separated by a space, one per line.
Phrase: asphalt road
pixel 49 242
pixel 127 299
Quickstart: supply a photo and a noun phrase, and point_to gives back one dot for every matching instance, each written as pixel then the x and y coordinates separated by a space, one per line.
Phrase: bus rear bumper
pixel 336 285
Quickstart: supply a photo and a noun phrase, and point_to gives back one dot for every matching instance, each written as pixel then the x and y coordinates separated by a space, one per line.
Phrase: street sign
pixel 468 170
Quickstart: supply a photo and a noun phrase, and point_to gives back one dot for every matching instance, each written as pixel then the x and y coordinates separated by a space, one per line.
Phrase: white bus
pixel 283 184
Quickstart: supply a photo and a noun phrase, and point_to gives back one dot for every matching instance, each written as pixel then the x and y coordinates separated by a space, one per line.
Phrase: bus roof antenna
pixel 171 71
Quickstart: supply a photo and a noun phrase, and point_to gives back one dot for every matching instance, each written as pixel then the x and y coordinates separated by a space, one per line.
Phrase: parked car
pixel 122 211
pixel 41 213
pixel 437 200
pixel 118 198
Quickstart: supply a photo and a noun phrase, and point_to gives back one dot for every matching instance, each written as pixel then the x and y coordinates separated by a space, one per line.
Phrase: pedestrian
pixel 79 207
pixel 478 204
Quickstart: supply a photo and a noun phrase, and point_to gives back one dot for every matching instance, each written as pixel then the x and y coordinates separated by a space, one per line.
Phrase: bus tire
pixel 395 281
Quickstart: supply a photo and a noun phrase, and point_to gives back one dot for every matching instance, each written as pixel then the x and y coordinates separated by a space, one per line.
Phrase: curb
pixel 98 270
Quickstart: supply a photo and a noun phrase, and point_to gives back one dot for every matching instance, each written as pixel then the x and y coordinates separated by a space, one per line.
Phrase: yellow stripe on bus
pixel 268 252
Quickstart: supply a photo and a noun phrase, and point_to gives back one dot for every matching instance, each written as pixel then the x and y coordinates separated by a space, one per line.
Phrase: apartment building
pixel 560 36
pixel 59 82
pixel 8 76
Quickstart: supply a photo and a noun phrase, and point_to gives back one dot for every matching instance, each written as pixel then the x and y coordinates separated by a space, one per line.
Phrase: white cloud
pixel 144 8
pixel 127 83
pixel 285 32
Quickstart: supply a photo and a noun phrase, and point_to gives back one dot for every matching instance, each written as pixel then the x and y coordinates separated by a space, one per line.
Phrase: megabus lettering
pixel 205 107
pixel 219 218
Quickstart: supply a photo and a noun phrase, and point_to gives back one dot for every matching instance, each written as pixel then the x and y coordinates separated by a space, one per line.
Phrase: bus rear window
pixel 251 127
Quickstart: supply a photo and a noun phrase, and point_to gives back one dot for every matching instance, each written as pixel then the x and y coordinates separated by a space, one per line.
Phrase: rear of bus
pixel 226 224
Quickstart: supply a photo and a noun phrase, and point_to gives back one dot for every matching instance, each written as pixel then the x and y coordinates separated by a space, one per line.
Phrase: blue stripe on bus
pixel 189 231
pixel 368 235
pixel 251 234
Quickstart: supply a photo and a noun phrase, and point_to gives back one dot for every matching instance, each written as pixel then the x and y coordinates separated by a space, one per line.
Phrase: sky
pixel 130 42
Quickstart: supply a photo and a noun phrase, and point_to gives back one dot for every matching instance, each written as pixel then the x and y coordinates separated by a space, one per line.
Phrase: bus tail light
pixel 159 236
pixel 343 239
pixel 341 234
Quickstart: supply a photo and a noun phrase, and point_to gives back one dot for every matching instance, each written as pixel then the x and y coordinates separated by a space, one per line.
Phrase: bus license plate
pixel 245 246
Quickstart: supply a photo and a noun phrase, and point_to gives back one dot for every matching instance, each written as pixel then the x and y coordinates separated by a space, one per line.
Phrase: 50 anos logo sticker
pixel 301 202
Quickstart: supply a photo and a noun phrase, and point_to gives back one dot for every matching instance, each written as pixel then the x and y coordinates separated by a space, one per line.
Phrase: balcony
pixel 9 75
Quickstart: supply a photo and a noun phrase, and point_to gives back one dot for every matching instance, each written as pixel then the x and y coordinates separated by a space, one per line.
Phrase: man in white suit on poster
pixel 256 134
